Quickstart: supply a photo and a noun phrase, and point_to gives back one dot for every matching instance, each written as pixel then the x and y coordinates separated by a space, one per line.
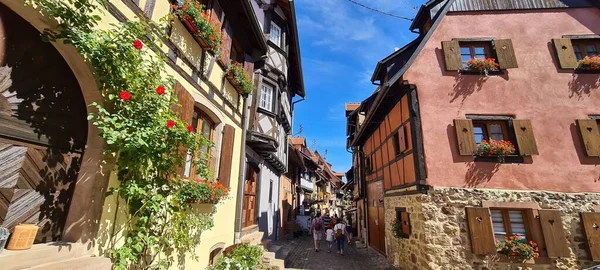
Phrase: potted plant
pixel 514 247
pixel 589 63
pixel 492 148
pixel 205 29
pixel 239 78
pixel 483 66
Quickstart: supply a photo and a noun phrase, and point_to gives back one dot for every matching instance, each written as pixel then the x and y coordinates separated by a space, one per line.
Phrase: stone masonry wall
pixel 440 239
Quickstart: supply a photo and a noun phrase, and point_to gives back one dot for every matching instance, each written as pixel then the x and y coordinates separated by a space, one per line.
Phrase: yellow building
pixel 86 221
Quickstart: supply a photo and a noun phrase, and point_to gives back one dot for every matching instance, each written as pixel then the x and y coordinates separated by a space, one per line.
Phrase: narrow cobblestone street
pixel 303 256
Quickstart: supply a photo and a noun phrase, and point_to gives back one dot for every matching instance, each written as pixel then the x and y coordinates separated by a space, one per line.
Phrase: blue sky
pixel 340 44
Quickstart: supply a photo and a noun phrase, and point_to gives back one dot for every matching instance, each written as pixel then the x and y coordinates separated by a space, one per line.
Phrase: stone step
pixel 82 263
pixel 41 254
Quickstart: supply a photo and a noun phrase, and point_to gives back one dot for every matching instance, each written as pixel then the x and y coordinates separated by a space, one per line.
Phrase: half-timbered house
pixel 485 126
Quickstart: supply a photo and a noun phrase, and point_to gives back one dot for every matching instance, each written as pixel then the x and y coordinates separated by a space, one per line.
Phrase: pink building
pixel 460 151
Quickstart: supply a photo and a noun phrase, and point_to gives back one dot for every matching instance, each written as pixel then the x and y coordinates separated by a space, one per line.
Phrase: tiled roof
pixel 297 140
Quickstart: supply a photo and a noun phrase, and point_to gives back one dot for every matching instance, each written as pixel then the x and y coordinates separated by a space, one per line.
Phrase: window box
pixel 482 66
pixel 239 78
pixel 498 149
pixel 589 64
pixel 205 29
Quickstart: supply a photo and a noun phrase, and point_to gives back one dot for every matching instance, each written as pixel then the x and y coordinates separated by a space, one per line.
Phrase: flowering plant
pixel 499 149
pixel 589 63
pixel 515 247
pixel 200 23
pixel 484 66
pixel 240 77
pixel 143 133
pixel 242 257
pixel 202 191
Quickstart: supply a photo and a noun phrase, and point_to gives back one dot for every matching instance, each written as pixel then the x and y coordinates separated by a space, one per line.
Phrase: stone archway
pixel 82 151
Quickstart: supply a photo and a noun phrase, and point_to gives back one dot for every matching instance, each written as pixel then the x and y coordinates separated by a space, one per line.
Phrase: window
pixel 507 222
pixel 275 34
pixel 399 141
pixel 486 130
pixel 214 255
pixel 586 47
pixel 403 223
pixel 266 97
pixel 206 127
pixel 469 50
pixel 368 166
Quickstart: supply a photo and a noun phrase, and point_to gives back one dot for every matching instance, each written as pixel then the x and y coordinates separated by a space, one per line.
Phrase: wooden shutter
pixel 404 217
pixel 225 164
pixel 481 230
pixel 505 53
pixel 565 53
pixel 185 99
pixel 452 55
pixel 591 226
pixel 525 138
pixel 465 137
pixel 588 128
pixel 554 234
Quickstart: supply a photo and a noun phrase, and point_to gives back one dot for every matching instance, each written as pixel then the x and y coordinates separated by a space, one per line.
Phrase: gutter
pixel 240 192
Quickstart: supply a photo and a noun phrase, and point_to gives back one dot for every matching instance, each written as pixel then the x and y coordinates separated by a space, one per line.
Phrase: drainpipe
pixel 240 191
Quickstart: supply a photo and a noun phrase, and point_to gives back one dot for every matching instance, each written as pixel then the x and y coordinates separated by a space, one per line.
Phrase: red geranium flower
pixel 190 128
pixel 170 124
pixel 138 44
pixel 124 95
pixel 160 90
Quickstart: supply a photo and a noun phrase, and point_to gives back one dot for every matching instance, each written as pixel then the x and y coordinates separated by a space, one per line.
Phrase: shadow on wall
pixel 582 85
pixel 479 173
pixel 46 113
pixel 263 224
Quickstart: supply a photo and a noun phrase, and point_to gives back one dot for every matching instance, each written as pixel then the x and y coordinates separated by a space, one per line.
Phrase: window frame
pixel 399 211
pixel 485 124
pixel 581 45
pixel 487 47
pixel 507 223
pixel 272 97
pixel 278 28
pixel 198 120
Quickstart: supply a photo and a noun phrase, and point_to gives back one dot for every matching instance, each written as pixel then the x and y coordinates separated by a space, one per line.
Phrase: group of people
pixel 334 229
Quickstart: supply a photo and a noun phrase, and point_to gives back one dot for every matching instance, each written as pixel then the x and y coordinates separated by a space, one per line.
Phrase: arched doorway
pixel 43 129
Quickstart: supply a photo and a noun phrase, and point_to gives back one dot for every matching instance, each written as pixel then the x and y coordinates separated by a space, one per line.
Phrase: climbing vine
pixel 141 128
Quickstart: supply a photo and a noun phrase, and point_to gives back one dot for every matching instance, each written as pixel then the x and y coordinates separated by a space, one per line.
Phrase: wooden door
pixel 43 130
pixel 249 208
pixel 376 217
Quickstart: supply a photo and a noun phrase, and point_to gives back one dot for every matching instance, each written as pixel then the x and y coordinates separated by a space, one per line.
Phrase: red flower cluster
pixel 124 95
pixel 495 148
pixel 514 246
pixel 170 124
pixel 216 190
pixel 190 128
pixel 483 65
pixel 160 90
pixel 201 23
pixel 138 44
pixel 590 63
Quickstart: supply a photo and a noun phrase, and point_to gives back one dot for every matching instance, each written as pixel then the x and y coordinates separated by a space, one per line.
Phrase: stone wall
pixel 440 239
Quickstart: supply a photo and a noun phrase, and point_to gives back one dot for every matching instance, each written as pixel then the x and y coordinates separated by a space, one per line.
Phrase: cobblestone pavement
pixel 302 255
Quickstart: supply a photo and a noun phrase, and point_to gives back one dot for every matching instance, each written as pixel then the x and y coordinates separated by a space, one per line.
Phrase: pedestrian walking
pixel 340 236
pixel 349 228
pixel 330 239
pixel 327 220
pixel 317 231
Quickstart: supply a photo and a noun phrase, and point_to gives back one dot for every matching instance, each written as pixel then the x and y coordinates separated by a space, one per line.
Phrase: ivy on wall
pixel 141 128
